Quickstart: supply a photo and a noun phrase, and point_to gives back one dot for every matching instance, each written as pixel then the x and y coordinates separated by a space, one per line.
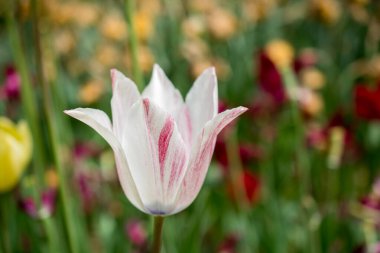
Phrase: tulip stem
pixel 27 98
pixel 4 223
pixel 236 170
pixel 130 6
pixel 157 233
pixel 53 136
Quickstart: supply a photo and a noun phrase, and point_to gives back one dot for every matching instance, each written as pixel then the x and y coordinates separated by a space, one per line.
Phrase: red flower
pixel 247 151
pixel 251 185
pixel 229 244
pixel 367 102
pixel 270 80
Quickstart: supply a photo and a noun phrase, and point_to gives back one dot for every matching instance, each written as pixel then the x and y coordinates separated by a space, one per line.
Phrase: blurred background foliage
pixel 297 173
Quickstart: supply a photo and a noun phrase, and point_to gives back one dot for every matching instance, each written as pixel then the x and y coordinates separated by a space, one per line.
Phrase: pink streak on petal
pixel 163 143
pixel 113 76
pixel 146 106
pixel 198 167
pixel 177 167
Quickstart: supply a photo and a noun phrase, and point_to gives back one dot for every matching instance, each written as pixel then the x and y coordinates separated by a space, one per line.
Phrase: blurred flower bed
pixel 298 172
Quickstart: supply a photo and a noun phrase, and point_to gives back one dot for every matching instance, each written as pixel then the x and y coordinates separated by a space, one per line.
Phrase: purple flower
pixel 48 201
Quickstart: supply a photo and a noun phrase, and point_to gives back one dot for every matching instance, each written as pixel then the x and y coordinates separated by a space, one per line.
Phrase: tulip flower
pixel 162 144
pixel 15 152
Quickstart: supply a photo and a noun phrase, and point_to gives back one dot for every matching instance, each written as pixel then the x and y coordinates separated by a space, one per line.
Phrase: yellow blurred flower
pixel 15 152
pixel 150 7
pixel 193 26
pixel 373 67
pixel 114 27
pixel 51 178
pixel 24 9
pixel 311 103
pixel 360 2
pixel 64 42
pixel 107 55
pixel 197 67
pixel 336 147
pixel 256 10
pixel 91 91
pixel 143 25
pixel 59 14
pixel 280 52
pixel 84 13
pixel 359 13
pixel 222 23
pixel 145 58
pixel 81 13
pixel 326 10
pixel 312 78
pixel 194 49
pixel 202 5
pixel 222 68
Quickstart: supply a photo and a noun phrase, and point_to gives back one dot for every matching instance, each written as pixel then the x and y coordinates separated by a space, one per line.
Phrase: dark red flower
pixel 270 80
pixel 367 102
pixel 229 244
pixel 86 183
pixel 11 85
pixel 251 186
pixel 85 149
pixel 307 58
pixel 248 153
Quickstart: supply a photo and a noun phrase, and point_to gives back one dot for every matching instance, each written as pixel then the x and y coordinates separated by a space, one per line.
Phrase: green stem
pixel 157 233
pixel 27 98
pixel 136 70
pixel 301 156
pixel 290 82
pixel 64 193
pixel 236 170
pixel 52 234
pixel 5 218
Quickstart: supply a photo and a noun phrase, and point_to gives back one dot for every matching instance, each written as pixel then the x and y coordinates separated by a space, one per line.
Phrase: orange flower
pixel 312 78
pixel 222 23
pixel 91 92
pixel 280 52
pixel 113 27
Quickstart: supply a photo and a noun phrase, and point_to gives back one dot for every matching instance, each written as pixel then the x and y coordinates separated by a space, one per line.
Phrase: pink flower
pixel 136 232
pixel 48 201
pixel 11 86
pixel 162 144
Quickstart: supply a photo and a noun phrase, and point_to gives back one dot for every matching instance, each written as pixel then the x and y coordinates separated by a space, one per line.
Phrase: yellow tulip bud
pixel 280 52
pixel 15 152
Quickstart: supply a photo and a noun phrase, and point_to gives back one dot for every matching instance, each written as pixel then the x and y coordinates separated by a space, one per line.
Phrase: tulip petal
pixel 201 156
pixel 157 155
pixel 125 94
pixel 202 100
pixel 100 122
pixel 162 92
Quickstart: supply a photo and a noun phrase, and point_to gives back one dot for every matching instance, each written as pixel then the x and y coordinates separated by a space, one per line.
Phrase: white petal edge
pixel 162 92
pixel 202 100
pixel 201 157
pixel 125 94
pixel 100 122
